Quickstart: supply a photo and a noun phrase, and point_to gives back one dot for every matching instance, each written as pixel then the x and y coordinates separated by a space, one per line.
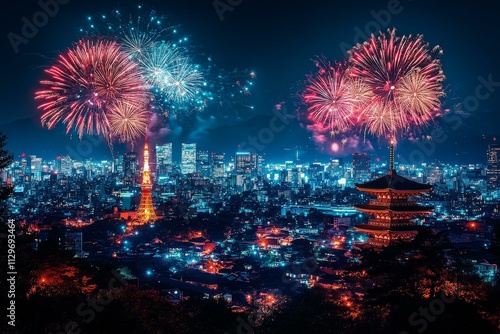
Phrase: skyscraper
pixel 245 165
pixel 188 159
pixel 245 162
pixel 130 168
pixel 66 165
pixel 360 166
pixel 119 164
pixel 218 164
pixel 26 164
pixel 163 159
pixel 203 163
pixel 36 167
pixel 493 171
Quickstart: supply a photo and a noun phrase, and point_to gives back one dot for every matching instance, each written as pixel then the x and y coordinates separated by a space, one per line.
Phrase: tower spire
pixel 392 141
pixel 146 212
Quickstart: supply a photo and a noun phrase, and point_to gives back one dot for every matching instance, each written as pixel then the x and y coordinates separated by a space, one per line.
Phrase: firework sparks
pixel 419 95
pixel 157 62
pixel 180 85
pixel 136 43
pixel 405 78
pixel 183 80
pixel 85 83
pixel 333 98
pixel 128 122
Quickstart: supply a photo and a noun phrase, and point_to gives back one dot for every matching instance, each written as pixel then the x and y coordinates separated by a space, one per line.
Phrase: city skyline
pixel 464 131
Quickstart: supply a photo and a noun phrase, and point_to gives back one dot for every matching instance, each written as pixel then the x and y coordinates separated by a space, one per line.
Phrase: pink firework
pixel 405 77
pixel 334 99
pixel 86 82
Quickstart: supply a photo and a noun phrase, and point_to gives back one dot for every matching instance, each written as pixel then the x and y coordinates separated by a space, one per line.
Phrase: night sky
pixel 277 40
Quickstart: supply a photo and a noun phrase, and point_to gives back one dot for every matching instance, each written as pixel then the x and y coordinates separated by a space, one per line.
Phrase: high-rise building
pixel 26 165
pixel 66 166
pixel 360 166
pixel 245 165
pixel 260 163
pixel 188 158
pixel 218 164
pixel 36 167
pixel 130 168
pixel 119 164
pixel 245 162
pixel 203 163
pixel 163 159
pixel 493 171
pixel 335 167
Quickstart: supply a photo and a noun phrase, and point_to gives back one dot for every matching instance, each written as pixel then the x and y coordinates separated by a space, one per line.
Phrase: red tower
pixel 392 211
pixel 145 213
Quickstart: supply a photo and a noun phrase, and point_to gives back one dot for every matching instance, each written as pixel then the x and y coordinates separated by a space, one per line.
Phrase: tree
pixel 407 277
pixel 313 311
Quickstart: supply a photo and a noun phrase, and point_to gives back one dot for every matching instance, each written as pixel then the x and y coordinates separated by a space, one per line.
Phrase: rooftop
pixel 393 181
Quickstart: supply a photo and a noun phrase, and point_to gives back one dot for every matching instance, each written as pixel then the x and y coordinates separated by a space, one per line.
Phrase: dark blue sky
pixel 278 39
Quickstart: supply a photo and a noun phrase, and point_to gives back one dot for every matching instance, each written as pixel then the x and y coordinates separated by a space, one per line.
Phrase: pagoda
pixel 391 213
pixel 145 213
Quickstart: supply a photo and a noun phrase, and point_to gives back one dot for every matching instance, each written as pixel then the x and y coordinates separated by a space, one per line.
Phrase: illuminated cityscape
pixel 250 167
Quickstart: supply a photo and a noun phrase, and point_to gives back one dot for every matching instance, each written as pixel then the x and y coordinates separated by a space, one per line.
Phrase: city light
pixel 162 188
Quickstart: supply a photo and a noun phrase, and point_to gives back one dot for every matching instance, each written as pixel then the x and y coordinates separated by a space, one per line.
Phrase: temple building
pixel 392 212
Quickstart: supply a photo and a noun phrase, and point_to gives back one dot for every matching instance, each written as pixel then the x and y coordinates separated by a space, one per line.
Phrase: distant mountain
pixel 254 134
pixel 28 136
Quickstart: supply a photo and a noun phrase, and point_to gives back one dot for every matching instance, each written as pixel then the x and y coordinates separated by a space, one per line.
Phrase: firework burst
pixel 128 66
pixel 419 95
pixel 157 62
pixel 128 122
pixel 334 99
pixel 85 83
pixel 175 80
pixel 405 78
pixel 183 80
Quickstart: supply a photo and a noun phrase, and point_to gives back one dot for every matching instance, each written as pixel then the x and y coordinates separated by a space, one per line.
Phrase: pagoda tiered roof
pixel 392 212
pixel 393 182
pixel 394 208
